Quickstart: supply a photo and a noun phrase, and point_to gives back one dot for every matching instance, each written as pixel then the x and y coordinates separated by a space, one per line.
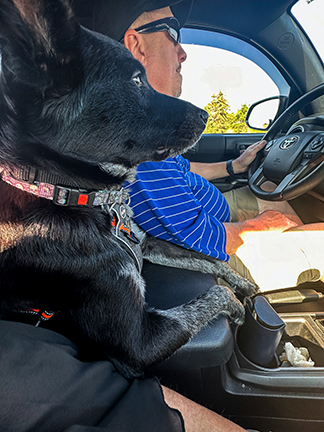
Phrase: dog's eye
pixel 138 80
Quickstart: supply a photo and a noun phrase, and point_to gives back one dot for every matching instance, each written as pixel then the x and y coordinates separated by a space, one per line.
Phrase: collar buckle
pixel 65 196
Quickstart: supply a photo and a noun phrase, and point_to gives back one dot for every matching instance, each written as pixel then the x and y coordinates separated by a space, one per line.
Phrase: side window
pixel 310 15
pixel 225 75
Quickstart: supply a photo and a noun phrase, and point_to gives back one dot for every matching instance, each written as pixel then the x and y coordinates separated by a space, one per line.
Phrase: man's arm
pixel 211 171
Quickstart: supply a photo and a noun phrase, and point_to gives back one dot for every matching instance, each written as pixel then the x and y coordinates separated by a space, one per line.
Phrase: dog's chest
pixel 10 235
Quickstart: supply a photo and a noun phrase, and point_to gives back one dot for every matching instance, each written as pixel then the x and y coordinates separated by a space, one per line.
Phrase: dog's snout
pixel 204 115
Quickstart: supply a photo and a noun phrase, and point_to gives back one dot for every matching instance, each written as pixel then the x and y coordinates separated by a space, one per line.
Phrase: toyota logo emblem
pixel 289 142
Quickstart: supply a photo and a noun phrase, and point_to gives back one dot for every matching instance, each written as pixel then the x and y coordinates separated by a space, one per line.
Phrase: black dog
pixel 77 116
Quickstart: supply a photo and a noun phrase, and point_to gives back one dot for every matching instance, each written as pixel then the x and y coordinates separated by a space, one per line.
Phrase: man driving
pixel 173 200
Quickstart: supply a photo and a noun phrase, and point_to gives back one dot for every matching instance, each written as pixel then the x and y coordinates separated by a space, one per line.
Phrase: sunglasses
pixel 170 25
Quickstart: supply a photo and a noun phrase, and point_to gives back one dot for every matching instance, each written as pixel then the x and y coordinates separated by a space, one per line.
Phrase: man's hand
pixel 241 164
pixel 269 220
pixel 212 171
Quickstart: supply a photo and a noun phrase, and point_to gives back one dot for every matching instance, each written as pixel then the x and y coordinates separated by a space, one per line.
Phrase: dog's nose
pixel 204 115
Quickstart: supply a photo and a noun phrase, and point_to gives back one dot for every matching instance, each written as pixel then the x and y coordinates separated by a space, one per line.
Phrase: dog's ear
pixel 39 42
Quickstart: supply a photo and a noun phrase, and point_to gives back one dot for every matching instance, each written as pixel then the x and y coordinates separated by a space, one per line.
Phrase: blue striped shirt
pixel 176 205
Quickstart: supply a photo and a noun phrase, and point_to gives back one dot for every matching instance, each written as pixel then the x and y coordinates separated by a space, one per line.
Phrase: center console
pixel 260 388
pixel 240 372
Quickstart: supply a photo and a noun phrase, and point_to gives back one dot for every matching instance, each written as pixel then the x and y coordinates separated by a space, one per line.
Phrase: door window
pixel 225 75
pixel 310 14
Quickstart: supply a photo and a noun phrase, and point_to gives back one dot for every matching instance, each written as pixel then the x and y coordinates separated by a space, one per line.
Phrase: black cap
pixel 113 17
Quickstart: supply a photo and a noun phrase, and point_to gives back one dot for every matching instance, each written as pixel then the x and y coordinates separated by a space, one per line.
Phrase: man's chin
pixel 175 88
pixel 178 91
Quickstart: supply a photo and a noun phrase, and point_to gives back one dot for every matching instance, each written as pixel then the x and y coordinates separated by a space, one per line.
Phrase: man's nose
pixel 182 55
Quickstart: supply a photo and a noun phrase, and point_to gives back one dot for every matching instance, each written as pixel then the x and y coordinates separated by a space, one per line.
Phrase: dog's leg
pixel 170 255
pixel 132 335
pixel 163 332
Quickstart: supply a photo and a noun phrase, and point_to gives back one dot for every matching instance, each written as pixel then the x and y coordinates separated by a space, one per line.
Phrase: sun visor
pixel 113 18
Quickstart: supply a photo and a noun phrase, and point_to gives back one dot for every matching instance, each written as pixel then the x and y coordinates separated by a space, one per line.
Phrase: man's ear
pixel 134 43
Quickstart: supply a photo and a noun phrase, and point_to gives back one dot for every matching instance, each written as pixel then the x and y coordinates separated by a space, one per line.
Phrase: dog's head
pixel 76 103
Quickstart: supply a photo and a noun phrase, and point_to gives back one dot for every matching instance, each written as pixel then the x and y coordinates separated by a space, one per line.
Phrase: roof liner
pixel 244 17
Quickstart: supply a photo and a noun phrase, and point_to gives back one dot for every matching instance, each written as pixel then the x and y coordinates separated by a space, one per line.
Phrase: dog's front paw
pixel 234 308
pixel 248 288
pixel 236 312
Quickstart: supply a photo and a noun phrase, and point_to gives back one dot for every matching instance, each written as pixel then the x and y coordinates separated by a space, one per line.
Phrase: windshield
pixel 310 15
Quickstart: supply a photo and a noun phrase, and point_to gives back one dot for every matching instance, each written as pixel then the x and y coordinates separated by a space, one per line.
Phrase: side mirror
pixel 263 113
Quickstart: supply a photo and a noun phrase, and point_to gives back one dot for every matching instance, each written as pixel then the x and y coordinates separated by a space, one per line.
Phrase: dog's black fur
pixel 76 104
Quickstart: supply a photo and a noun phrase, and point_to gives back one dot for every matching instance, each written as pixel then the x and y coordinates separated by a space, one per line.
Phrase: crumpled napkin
pixel 297 357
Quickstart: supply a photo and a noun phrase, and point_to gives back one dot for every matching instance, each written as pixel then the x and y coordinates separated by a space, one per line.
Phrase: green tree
pixel 219 116
pixel 222 120
pixel 237 120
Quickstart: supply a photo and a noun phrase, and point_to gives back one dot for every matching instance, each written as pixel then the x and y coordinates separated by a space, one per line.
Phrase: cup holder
pixel 260 335
pixel 257 362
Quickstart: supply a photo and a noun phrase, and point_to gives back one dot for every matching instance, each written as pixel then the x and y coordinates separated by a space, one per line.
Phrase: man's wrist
pixel 230 168
pixel 236 167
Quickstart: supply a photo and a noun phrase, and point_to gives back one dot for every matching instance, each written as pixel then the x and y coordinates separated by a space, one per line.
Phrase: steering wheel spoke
pixel 258 177
pixel 290 179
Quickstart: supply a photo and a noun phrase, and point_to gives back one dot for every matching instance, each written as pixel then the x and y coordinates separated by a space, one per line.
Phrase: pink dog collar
pixel 65 196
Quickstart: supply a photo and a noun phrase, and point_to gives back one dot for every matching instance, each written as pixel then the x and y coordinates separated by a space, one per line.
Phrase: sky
pixel 311 17
pixel 208 70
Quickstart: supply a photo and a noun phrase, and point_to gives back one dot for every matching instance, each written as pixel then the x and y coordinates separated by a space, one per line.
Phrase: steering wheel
pixel 294 162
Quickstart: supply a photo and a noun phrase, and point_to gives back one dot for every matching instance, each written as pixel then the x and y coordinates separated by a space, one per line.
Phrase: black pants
pixel 44 387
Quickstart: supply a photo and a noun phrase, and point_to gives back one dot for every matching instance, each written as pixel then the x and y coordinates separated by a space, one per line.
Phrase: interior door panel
pixel 221 147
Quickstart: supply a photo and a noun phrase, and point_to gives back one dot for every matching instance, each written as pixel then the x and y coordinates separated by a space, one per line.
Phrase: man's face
pixel 163 58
